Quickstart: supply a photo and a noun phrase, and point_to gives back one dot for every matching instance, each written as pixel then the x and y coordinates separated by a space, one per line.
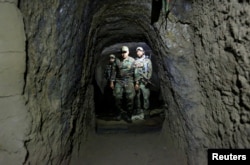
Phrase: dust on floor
pixel 128 149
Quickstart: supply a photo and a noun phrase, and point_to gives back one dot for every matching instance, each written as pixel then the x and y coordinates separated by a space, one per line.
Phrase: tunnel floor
pixel 128 148
pixel 106 124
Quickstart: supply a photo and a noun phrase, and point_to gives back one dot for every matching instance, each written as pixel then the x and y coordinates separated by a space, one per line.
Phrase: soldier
pixel 109 67
pixel 108 92
pixel 123 76
pixel 143 72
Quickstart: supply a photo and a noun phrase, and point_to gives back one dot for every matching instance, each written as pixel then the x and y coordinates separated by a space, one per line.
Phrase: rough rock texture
pixel 58 94
pixel 179 83
pixel 202 53
pixel 208 68
pixel 14 119
pixel 221 48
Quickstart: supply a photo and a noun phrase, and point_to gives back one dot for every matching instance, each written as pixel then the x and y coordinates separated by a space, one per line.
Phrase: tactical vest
pixel 143 68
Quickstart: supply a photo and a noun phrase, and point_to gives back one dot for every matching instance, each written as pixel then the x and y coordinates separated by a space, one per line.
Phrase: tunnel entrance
pixel 105 109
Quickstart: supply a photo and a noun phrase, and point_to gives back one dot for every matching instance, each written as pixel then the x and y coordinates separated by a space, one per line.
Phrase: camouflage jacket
pixel 143 68
pixel 123 70
pixel 108 71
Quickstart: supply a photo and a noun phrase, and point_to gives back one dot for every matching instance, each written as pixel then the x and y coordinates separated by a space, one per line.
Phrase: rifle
pixel 146 80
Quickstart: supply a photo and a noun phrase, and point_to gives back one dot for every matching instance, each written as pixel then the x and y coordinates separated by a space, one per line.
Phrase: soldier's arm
pixel 113 76
pixel 117 62
pixel 136 79
pixel 136 75
pixel 150 69
pixel 135 72
pixel 113 72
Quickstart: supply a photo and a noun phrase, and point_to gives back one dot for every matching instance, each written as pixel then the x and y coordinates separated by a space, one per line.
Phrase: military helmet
pixel 139 48
pixel 111 56
pixel 125 49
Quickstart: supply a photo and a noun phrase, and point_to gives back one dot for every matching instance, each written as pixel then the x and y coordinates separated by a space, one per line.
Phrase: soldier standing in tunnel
pixel 108 92
pixel 122 81
pixel 143 72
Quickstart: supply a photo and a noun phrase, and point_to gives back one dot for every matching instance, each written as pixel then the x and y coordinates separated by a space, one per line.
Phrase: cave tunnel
pixel 49 54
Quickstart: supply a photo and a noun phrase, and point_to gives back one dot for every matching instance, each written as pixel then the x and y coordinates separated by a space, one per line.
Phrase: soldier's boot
pixel 138 115
pixel 118 115
pixel 126 117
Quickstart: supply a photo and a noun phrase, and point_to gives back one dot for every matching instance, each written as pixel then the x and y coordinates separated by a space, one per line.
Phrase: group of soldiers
pixel 128 79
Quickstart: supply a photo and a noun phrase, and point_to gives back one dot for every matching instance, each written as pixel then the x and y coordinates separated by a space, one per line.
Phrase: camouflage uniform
pixel 123 76
pixel 108 71
pixel 143 72
pixel 108 92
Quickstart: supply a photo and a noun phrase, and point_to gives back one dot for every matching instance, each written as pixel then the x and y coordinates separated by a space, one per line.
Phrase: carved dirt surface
pixel 125 145
pixel 127 148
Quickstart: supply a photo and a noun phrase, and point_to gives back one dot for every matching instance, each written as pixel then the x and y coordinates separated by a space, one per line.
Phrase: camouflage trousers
pixel 124 89
pixel 144 91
